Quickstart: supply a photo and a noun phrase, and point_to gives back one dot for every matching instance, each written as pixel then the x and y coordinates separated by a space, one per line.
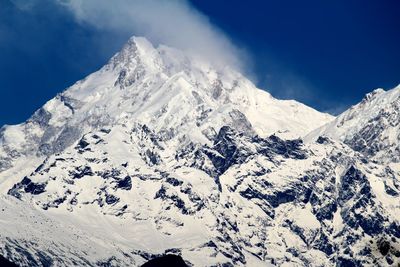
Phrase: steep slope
pixel 30 237
pixel 159 153
pixel 242 201
pixel 162 88
pixel 371 127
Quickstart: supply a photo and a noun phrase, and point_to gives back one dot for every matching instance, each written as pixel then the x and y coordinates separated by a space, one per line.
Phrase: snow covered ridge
pixel 162 88
pixel 160 153
pixel 371 127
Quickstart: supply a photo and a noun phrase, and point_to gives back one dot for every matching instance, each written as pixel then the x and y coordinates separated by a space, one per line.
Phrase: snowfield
pixel 161 153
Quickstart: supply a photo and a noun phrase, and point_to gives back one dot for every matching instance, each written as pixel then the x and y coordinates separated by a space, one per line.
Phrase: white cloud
pixel 171 22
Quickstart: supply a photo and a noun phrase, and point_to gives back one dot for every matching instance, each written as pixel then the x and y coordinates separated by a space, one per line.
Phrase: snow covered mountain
pixel 160 152
pixel 371 127
pixel 162 88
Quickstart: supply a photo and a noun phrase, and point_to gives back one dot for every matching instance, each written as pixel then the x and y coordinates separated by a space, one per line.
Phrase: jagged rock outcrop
pixel 158 153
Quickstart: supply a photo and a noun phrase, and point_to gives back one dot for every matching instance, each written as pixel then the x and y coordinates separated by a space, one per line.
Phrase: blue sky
pixel 327 54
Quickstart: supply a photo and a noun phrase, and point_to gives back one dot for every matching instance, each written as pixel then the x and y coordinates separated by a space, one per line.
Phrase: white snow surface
pixel 372 124
pixel 159 152
pixel 164 89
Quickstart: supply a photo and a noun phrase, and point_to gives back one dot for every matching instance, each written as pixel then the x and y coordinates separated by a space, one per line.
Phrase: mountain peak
pixel 138 52
pixel 160 152
pixel 371 127
pixel 135 44
pixel 373 94
pixel 165 89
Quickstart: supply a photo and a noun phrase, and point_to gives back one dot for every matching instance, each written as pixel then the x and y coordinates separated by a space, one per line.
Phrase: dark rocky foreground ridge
pixel 167 260
pixel 6 263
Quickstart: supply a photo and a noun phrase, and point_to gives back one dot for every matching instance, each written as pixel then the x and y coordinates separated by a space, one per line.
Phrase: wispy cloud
pixel 171 22
pixel 287 85
pixel 178 24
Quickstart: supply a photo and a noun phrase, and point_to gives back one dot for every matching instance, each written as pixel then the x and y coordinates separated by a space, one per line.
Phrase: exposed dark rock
pixel 40 167
pixel 112 261
pixel 41 117
pixel 152 158
pixel 66 138
pixel 394 229
pixel 125 184
pixel 240 123
pixel 383 246
pixel 45 149
pixel 366 251
pixel 228 152
pixel 34 188
pixel 231 147
pixel 83 143
pixel 111 199
pixel 390 191
pixel 173 181
pixel 55 203
pixel 198 98
pixel 81 171
pixel 347 262
pixel 286 148
pixel 6 263
pixel 28 187
pixel 106 131
pixel 173 199
pixel 195 156
pixel 363 211
pixel 166 260
pixel 389 260
pixel 324 245
pixel 44 259
pixel 281 197
pixel 217 88
pixel 370 139
pixel 70 102
pixel 203 115
pixel 323 140
pixel 113 173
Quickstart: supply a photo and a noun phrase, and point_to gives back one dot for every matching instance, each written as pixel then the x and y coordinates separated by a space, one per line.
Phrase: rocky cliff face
pixel 159 153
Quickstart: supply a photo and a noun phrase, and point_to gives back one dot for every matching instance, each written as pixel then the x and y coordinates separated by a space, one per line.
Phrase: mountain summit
pixel 160 152
pixel 162 88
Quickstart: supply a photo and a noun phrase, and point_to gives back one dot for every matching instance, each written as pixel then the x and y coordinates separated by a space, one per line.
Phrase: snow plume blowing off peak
pixel 171 22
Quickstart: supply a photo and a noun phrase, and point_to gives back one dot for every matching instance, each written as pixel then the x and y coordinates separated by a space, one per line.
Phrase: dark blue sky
pixel 327 54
